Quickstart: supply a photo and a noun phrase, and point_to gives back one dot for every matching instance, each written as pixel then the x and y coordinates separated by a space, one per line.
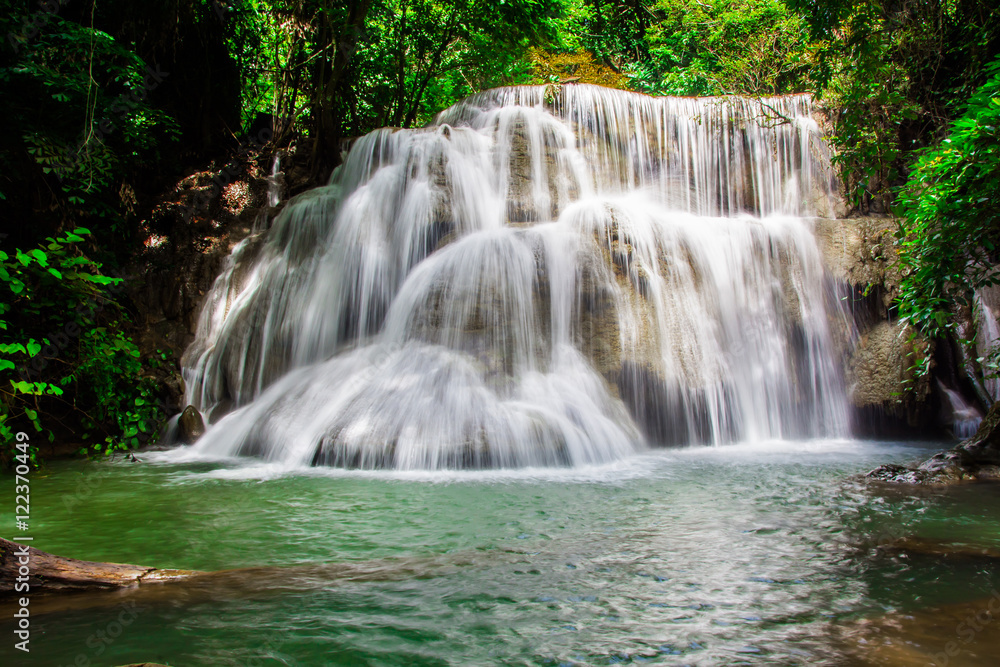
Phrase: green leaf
pixel 23 387
pixel 40 257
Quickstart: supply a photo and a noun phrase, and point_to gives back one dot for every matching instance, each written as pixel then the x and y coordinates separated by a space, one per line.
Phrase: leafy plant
pixel 750 47
pixel 112 378
pixel 894 75
pixel 950 229
pixel 64 355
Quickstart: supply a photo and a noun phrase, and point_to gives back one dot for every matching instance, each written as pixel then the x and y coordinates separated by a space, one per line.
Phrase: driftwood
pixel 46 572
pixel 103 585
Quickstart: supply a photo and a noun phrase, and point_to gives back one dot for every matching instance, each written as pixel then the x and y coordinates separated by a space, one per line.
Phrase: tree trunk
pixel 347 36
pixel 46 572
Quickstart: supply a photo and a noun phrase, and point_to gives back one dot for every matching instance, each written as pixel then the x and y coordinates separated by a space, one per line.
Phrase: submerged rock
pixel 191 426
pixel 961 634
pixel 930 547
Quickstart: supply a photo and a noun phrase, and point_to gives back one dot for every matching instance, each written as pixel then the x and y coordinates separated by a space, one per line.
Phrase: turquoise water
pixel 750 554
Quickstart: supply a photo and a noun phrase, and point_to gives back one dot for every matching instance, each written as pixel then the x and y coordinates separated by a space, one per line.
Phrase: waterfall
pixel 965 418
pixel 542 276
pixel 987 340
pixel 274 182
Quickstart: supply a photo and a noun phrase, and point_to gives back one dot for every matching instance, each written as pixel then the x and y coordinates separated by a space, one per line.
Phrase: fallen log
pixel 103 584
pixel 43 572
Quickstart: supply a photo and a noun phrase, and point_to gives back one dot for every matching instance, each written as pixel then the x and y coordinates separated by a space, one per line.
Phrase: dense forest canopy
pixel 107 103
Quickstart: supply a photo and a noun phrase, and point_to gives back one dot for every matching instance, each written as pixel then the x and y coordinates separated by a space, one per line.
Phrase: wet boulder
pixel 976 459
pixel 191 426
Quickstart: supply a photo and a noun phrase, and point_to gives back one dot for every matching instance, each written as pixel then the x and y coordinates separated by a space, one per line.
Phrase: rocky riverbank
pixel 976 459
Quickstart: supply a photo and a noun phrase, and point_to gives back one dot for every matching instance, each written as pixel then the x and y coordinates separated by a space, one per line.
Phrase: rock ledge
pixel 976 459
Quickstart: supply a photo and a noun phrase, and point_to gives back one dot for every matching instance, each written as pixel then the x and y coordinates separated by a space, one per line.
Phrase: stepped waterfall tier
pixel 543 276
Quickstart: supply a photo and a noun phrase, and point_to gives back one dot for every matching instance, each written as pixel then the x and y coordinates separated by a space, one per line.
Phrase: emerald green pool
pixel 750 554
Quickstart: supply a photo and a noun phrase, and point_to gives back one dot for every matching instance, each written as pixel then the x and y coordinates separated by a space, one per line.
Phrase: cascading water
pixel 987 341
pixel 965 418
pixel 540 277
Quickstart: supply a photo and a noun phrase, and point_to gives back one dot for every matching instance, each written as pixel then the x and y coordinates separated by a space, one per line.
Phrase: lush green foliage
pixel 895 73
pixel 950 230
pixel 344 68
pixel 64 358
pixel 82 136
pixel 754 47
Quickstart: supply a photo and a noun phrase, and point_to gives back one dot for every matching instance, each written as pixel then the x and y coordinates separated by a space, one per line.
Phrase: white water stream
pixel 541 277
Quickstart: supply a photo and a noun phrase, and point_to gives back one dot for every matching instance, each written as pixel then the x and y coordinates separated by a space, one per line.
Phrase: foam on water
pixel 658 464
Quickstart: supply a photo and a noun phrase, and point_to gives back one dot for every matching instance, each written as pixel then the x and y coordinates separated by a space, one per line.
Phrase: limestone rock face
pixel 538 186
pixel 880 352
pixel 880 368
pixel 187 237
pixel 984 446
pixel 861 251
pixel 981 325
